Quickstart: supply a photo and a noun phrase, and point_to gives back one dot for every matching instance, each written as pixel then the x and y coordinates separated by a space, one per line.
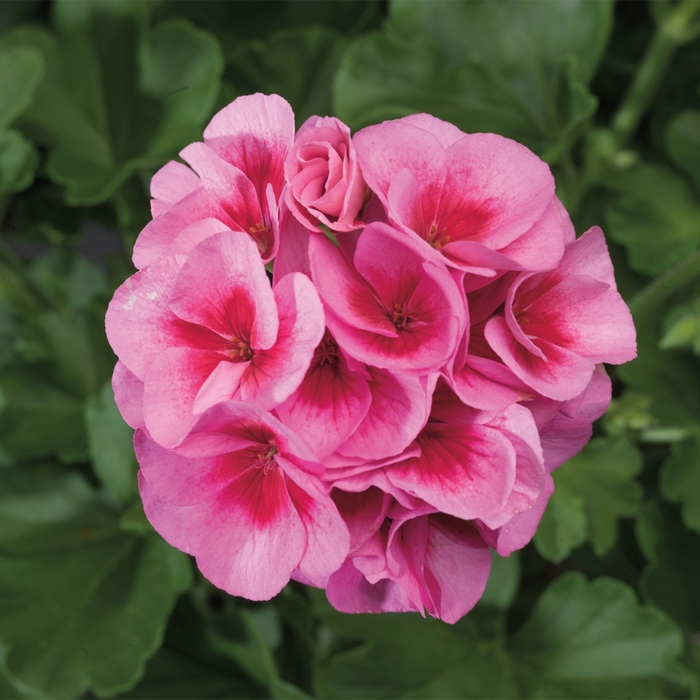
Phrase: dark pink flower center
pixel 400 317
pixel 240 351
pixel 266 460
pixel 327 351
pixel 259 233
pixel 436 238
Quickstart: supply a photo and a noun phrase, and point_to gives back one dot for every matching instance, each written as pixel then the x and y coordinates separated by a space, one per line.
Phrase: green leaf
pixel 679 479
pixel 582 640
pixel 683 143
pixel 682 328
pixel 84 604
pixel 117 95
pixel 654 214
pixel 21 70
pixel 18 162
pixel 594 640
pixel 40 418
pixel 564 525
pixel 672 578
pixel 503 582
pixel 171 675
pixel 298 64
pixel 592 490
pixel 404 655
pixel 111 446
pixel 518 69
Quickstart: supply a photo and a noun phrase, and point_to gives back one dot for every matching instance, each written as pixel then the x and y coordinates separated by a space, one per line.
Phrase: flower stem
pixel 673 31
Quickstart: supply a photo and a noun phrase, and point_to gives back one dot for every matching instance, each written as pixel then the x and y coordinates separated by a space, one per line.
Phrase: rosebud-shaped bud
pixel 324 181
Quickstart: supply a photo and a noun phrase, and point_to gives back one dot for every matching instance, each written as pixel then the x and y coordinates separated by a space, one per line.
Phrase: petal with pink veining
pixel 128 395
pixel 562 375
pixel 464 470
pixel 397 413
pixel 254 133
pixel 330 403
pixel 140 324
pixel 457 566
pixel 171 386
pixel 327 536
pixel 173 182
pixel 223 286
pixel 275 372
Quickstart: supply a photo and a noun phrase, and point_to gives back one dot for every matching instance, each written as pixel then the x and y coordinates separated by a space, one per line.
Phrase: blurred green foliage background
pixel 95 96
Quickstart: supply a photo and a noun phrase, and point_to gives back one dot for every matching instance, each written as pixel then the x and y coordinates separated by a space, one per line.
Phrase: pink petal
pixel 254 133
pixel 223 286
pixel 516 533
pixel 457 566
pixel 561 376
pixel 397 413
pixel 276 372
pixel 140 324
pixel 464 470
pixel 349 591
pixel 128 395
pixel 584 316
pixel 164 229
pixel 190 236
pixel 234 195
pixel 221 385
pixel 232 426
pixel 386 149
pixel 293 252
pixel 168 520
pixel 589 256
pixel 173 182
pixel 495 190
pixel 248 538
pixel 542 247
pixel 327 536
pixel 445 132
pixel 171 385
pixel 328 406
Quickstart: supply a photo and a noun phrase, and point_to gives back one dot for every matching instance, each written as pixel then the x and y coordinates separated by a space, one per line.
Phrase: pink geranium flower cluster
pixel 387 403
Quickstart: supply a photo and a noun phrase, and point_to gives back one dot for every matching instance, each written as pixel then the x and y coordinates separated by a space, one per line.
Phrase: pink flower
pixel 480 202
pixel 405 559
pixel 557 326
pixel 208 328
pixel 242 494
pixel 465 463
pixel 390 307
pixel 238 184
pixel 325 183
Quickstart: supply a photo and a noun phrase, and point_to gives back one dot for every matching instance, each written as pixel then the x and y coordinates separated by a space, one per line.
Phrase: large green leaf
pixel 672 579
pixel 683 142
pixel 111 446
pixel 40 418
pixel 518 69
pixel 652 212
pixel 83 603
pixel 18 162
pixel 582 640
pixel 679 479
pixel 592 490
pixel 21 70
pixel 586 640
pixel 117 95
pixel 298 64
pixel 174 676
